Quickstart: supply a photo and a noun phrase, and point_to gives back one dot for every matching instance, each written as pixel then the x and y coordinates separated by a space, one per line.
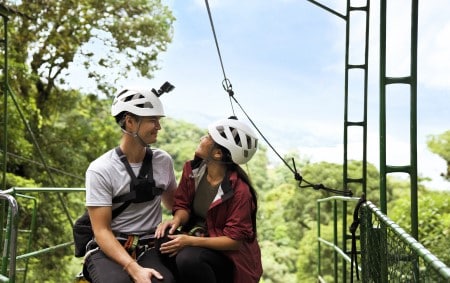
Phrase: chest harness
pixel 142 189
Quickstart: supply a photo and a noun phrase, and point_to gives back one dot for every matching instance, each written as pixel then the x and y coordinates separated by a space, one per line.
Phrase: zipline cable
pixel 226 83
pixel 229 89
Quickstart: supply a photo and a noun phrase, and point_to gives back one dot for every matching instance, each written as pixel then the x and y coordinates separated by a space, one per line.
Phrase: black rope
pixel 297 175
pixel 227 86
pixel 353 228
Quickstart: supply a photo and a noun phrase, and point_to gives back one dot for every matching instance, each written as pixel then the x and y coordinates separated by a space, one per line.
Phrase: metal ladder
pixel 353 66
pixel 356 74
pixel 411 81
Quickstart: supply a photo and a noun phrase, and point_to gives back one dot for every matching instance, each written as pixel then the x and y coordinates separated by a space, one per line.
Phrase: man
pixel 125 243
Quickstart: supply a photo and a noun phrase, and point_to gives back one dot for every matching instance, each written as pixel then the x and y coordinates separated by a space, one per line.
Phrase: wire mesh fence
pixel 389 254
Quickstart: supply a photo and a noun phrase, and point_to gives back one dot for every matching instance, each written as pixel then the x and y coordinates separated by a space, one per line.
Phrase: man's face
pixel 146 127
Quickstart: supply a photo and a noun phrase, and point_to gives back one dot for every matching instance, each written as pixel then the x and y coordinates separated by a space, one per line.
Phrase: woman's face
pixel 204 147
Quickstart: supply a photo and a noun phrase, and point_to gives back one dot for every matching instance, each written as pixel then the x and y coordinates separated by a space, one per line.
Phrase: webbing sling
pixel 146 169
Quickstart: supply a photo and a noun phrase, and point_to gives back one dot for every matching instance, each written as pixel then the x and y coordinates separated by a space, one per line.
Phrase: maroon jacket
pixel 229 215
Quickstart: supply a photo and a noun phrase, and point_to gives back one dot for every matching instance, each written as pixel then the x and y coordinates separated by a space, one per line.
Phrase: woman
pixel 215 206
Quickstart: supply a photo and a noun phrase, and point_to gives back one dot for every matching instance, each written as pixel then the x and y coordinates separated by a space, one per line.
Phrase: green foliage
pixel 18 143
pixel 278 262
pixel 307 261
pixel 19 181
pixel 127 36
pixel 434 220
pixel 440 144
pixel 258 171
pixel 180 138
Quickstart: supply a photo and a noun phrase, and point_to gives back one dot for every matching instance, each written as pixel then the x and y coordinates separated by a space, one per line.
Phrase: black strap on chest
pixel 146 169
pixel 142 188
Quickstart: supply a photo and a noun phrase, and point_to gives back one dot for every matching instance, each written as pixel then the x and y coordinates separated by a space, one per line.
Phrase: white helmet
pixel 138 101
pixel 235 136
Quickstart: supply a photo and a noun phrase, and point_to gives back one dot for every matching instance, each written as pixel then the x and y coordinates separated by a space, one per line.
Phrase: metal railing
pixel 10 243
pixel 385 252
pixel 333 247
pixel 390 254
pixel 10 233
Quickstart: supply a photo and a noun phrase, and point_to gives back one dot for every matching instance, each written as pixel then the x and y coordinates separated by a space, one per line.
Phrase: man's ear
pixel 129 121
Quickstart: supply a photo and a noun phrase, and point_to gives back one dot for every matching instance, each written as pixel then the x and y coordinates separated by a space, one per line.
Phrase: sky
pixel 285 62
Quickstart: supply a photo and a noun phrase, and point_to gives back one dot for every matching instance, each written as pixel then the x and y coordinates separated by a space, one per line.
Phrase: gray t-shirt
pixel 107 177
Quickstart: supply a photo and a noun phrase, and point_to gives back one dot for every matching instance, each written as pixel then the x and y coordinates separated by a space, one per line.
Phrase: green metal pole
pixel 335 241
pixel 346 119
pixel 383 166
pixel 319 271
pixel 383 182
pixel 3 203
pixel 413 130
pixel 5 100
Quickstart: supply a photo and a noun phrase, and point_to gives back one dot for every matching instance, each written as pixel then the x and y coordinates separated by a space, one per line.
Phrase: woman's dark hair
pixel 231 166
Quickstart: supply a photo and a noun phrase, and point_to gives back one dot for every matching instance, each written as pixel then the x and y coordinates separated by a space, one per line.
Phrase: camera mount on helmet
pixel 166 87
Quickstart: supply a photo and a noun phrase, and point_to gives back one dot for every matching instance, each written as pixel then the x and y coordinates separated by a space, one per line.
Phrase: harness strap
pixel 131 244
pixel 124 160
pixel 147 235
pixel 145 171
pixel 132 195
pixel 146 164
pixel 147 168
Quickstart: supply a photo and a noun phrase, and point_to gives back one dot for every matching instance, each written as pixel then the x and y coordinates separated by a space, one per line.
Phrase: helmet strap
pixel 135 134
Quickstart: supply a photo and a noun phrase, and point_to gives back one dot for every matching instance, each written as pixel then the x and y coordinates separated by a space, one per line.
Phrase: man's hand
pixel 161 229
pixel 141 274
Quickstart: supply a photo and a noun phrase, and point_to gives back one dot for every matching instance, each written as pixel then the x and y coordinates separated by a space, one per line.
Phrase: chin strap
pixel 135 135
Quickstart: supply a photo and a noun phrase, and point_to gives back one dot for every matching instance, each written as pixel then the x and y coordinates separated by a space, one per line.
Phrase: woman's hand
pixel 176 243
